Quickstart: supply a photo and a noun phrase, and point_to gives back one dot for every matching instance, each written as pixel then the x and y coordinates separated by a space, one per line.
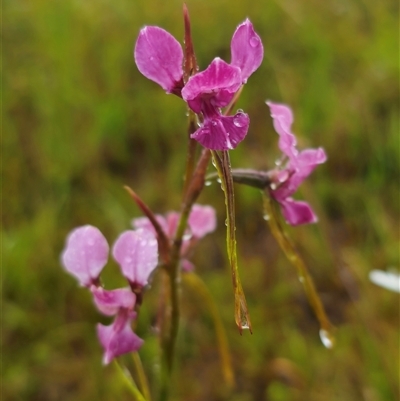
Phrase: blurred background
pixel 79 122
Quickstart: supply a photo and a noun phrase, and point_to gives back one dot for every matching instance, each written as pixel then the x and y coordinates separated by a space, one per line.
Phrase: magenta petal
pixel 202 220
pixel 137 254
pixel 118 338
pixel 223 133
pixel 109 302
pixel 297 212
pixel 219 82
pixel 246 49
pixel 85 254
pixel 159 57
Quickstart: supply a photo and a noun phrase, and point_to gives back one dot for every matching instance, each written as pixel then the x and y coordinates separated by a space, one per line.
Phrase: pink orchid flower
pixel 298 167
pixel 159 57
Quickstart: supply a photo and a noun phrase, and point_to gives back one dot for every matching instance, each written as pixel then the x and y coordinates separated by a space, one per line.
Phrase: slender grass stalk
pixel 143 383
pixel 273 218
pixel 128 380
pixel 197 284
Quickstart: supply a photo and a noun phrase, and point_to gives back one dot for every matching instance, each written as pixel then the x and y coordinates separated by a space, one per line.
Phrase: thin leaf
pixel 223 166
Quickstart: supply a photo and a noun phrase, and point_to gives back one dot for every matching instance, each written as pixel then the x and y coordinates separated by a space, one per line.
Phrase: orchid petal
pixel 159 57
pixel 246 49
pixel 202 220
pixel 223 133
pixel 118 338
pixel 282 117
pixel 297 212
pixel 220 79
pixel 109 302
pixel 85 254
pixel 137 254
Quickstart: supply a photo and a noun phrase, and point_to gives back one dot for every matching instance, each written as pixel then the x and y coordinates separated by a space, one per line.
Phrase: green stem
pixel 129 382
pixel 198 285
pixel 143 383
pixel 306 280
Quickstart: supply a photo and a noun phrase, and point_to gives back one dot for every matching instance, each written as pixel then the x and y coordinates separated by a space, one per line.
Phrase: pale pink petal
pixel 159 57
pixel 282 117
pixel 118 338
pixel 297 212
pixel 109 302
pixel 202 220
pixel 187 266
pixel 137 254
pixel 145 223
pixel 219 82
pixel 85 254
pixel 247 50
pixel 224 132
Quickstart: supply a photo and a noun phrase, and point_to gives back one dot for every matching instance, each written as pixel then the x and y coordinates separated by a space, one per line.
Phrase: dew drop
pixel 301 279
pixel 207 183
pixel 240 111
pixel 326 338
pixel 214 123
pixel 128 259
pixel 143 242
pixel 90 242
pixel 237 122
pixel 254 41
pixel 245 326
pixel 219 180
pixel 273 186
pixel 278 162
pixel 266 217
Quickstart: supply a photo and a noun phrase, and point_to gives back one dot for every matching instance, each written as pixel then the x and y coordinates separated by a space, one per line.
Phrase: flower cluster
pixel 159 57
pixel 299 165
pixel 86 254
pixel 136 252
pixel 202 220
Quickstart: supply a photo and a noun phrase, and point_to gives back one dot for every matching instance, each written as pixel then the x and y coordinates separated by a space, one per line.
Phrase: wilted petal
pixel 85 254
pixel 297 212
pixel 224 132
pixel 159 57
pixel 109 302
pixel 218 83
pixel 247 50
pixel 202 220
pixel 118 338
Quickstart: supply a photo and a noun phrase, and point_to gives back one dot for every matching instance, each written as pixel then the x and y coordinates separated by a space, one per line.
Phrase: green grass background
pixel 79 122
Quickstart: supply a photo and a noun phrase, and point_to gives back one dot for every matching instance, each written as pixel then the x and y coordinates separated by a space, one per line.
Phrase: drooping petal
pixel 109 302
pixel 202 220
pixel 118 338
pixel 282 117
pixel 85 254
pixel 247 50
pixel 224 132
pixel 145 223
pixel 297 212
pixel 137 254
pixel 218 83
pixel 159 57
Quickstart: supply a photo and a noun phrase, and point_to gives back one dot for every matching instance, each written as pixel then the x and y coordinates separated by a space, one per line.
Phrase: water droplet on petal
pixel 90 242
pixel 273 186
pixel 214 123
pixel 254 41
pixel 240 111
pixel 326 338
pixel 128 259
pixel 237 122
